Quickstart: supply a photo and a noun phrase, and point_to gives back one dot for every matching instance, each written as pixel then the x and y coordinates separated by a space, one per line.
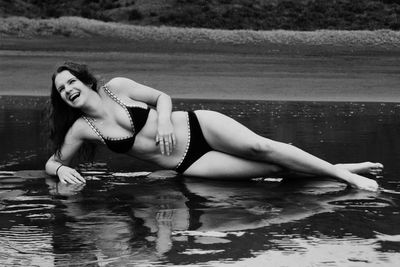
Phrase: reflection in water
pixel 125 217
pixel 125 220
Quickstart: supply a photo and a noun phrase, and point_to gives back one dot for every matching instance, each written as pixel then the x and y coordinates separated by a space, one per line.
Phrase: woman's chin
pixel 77 103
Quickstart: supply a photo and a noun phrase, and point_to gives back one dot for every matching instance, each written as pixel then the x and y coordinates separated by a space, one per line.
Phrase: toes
pixel 379 165
pixel 377 175
pixel 376 169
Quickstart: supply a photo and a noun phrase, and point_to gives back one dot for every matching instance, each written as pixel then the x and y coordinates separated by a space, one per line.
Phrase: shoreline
pixel 103 45
pixel 34 102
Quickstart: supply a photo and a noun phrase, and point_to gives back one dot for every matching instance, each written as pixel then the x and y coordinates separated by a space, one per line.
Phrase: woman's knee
pixel 262 148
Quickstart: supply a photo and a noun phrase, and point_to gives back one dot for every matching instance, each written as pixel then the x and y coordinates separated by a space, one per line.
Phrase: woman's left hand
pixel 165 137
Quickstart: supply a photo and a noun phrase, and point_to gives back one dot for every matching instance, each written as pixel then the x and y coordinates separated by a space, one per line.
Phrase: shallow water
pixel 315 76
pixel 122 218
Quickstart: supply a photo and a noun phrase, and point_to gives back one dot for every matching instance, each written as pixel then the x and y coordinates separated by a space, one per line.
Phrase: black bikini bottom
pixel 198 145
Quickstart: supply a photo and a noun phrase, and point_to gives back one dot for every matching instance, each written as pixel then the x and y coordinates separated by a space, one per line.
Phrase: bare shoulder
pixel 120 85
pixel 124 87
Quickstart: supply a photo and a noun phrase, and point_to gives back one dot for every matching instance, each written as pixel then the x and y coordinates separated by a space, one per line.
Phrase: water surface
pixel 231 75
pixel 123 218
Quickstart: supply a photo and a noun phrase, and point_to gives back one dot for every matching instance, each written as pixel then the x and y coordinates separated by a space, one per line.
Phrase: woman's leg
pixel 218 165
pixel 366 167
pixel 227 135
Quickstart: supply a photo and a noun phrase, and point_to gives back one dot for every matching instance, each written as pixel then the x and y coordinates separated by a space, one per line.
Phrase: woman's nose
pixel 68 89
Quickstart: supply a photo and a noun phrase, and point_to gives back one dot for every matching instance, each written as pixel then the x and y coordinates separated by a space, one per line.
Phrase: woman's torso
pixel 118 125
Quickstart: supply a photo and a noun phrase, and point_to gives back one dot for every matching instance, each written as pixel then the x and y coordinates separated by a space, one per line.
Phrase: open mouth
pixel 74 96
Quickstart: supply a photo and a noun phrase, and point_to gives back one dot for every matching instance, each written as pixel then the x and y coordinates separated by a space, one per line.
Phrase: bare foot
pixel 363 183
pixel 363 167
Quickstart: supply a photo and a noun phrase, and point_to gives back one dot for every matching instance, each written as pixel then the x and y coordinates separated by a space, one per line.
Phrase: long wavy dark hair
pixel 62 116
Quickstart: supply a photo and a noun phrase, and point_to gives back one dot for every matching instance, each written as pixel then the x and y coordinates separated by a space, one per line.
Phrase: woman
pixel 202 143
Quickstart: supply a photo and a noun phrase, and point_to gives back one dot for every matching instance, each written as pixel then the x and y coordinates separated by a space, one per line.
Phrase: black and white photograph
pixel 200 133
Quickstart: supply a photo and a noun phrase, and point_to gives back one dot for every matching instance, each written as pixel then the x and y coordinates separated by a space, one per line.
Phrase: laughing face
pixel 71 89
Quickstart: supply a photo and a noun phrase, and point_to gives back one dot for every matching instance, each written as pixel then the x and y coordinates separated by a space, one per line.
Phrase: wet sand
pixel 210 71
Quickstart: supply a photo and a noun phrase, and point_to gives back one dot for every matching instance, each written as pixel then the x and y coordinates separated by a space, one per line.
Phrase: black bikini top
pixel 137 115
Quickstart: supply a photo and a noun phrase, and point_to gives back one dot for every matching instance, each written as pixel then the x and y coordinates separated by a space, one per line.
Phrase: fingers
pixel 79 177
pixel 376 170
pixel 173 140
pixel 165 146
pixel 167 143
pixel 68 179
pixel 72 177
pixel 162 148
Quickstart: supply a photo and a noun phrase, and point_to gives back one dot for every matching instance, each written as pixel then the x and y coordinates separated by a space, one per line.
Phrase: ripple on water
pixel 20 208
pixel 388 238
pixel 10 180
pixel 362 203
pixel 208 233
pixel 21 238
pixel 389 191
pixel 315 186
pixel 10 194
pixel 201 251
pixel 6 174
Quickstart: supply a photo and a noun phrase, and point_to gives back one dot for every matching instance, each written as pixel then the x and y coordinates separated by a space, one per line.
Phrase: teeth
pixel 74 96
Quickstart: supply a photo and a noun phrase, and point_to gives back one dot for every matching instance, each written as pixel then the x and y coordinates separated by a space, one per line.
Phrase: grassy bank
pixel 306 15
pixel 76 27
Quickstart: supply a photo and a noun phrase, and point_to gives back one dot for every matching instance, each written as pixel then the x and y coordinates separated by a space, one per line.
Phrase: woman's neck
pixel 95 107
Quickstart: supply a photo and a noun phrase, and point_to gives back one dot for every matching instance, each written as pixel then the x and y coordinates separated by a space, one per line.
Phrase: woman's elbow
pixel 163 96
pixel 47 166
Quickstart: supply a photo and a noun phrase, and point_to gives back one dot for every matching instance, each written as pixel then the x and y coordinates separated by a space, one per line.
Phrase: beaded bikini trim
pixel 124 106
pixel 116 99
pixel 187 144
pixel 94 129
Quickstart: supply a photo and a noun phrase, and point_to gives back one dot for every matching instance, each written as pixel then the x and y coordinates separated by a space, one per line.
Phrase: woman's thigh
pixel 227 135
pixel 218 165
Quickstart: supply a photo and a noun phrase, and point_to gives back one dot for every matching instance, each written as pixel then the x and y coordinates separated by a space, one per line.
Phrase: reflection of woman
pixel 202 143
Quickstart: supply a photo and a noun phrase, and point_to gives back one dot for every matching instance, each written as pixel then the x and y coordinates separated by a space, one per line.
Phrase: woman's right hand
pixel 69 175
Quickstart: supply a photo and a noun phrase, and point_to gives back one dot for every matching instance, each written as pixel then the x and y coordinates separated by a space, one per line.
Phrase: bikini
pixel 196 147
pixel 124 144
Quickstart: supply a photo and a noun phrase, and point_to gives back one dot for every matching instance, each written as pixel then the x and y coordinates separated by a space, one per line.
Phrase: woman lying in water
pixel 197 143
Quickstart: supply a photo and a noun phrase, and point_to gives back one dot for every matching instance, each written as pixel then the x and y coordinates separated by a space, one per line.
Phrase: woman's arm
pixel 58 164
pixel 165 132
